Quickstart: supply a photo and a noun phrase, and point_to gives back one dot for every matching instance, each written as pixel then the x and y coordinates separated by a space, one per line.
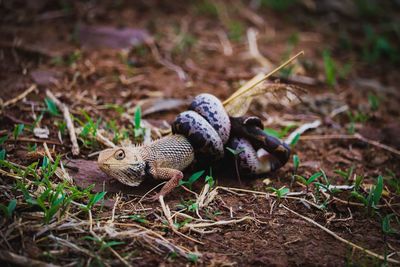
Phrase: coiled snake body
pixel 202 132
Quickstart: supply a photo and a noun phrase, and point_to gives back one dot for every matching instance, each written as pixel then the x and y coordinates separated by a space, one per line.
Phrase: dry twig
pixel 68 120
pixel 7 256
pixel 19 97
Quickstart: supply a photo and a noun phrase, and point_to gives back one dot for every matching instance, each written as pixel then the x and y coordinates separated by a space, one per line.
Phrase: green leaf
pixel 210 180
pixel 3 139
pixel 301 179
pixel 2 154
pixel 192 257
pixel 111 244
pixel 138 218
pixel 272 132
pixel 51 107
pixel 138 117
pixel 296 162
pixel 283 191
pixel 358 181
pixel 195 176
pixel 313 177
pixel 295 140
pixel 330 69
pixel 378 190
pixel 18 130
pixel 359 197
pixel 386 228
pixel 11 207
pixel 235 152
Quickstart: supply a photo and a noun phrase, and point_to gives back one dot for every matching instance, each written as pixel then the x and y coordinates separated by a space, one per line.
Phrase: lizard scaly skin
pixel 162 159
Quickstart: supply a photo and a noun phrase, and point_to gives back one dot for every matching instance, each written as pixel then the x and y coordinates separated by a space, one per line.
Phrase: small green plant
pixel 102 243
pixel 373 101
pixel 18 128
pixel 295 140
pixel 118 108
pixel 2 154
pixel 310 180
pixel 193 178
pixel 346 175
pixel 51 107
pixel 356 117
pixel 330 69
pixel 388 230
pixel 138 130
pixel 9 209
pixel 296 163
pixel 93 199
pixel 190 205
pixel 138 218
pixel 235 30
pixel 210 180
pixel 386 224
pixel 280 193
pixel 192 257
pixel 3 139
pixel 235 154
pixel 32 148
pixel 89 130
pixel 333 70
pixel 378 47
pixel 392 181
pixel 372 200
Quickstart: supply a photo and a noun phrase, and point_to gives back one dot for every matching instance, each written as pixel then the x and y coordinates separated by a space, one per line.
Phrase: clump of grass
pixel 89 130
pixel 356 117
pixel 370 201
pixel 333 70
pixel 346 175
pixel 9 209
pixel 378 47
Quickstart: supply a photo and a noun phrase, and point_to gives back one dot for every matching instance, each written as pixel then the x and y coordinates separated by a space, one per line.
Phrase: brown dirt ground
pixel 35 35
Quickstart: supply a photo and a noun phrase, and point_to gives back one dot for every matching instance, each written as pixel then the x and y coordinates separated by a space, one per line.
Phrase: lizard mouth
pixel 128 175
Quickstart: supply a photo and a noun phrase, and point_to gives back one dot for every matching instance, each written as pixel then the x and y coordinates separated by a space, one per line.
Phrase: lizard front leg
pixel 172 175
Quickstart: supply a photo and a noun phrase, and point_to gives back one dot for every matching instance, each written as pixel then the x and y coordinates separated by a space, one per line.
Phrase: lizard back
pixel 173 151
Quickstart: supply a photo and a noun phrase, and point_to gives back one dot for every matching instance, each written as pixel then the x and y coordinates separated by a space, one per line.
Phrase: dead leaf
pixel 45 77
pixel 111 37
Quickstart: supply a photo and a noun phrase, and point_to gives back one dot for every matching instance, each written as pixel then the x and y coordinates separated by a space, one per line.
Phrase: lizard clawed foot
pixel 154 197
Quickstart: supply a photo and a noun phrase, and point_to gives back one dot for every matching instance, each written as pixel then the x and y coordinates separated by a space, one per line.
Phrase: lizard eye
pixel 119 154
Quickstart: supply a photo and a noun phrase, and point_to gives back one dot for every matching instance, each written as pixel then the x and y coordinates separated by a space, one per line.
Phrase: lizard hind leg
pixel 172 175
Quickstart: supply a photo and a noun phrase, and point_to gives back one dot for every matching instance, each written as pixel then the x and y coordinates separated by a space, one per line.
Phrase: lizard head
pixel 124 164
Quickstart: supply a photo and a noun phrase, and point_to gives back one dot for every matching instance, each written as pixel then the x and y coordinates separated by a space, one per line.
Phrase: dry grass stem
pixel 373 254
pixel 67 117
pixel 19 97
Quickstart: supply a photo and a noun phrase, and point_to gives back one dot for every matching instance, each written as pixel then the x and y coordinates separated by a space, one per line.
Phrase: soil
pixel 41 45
